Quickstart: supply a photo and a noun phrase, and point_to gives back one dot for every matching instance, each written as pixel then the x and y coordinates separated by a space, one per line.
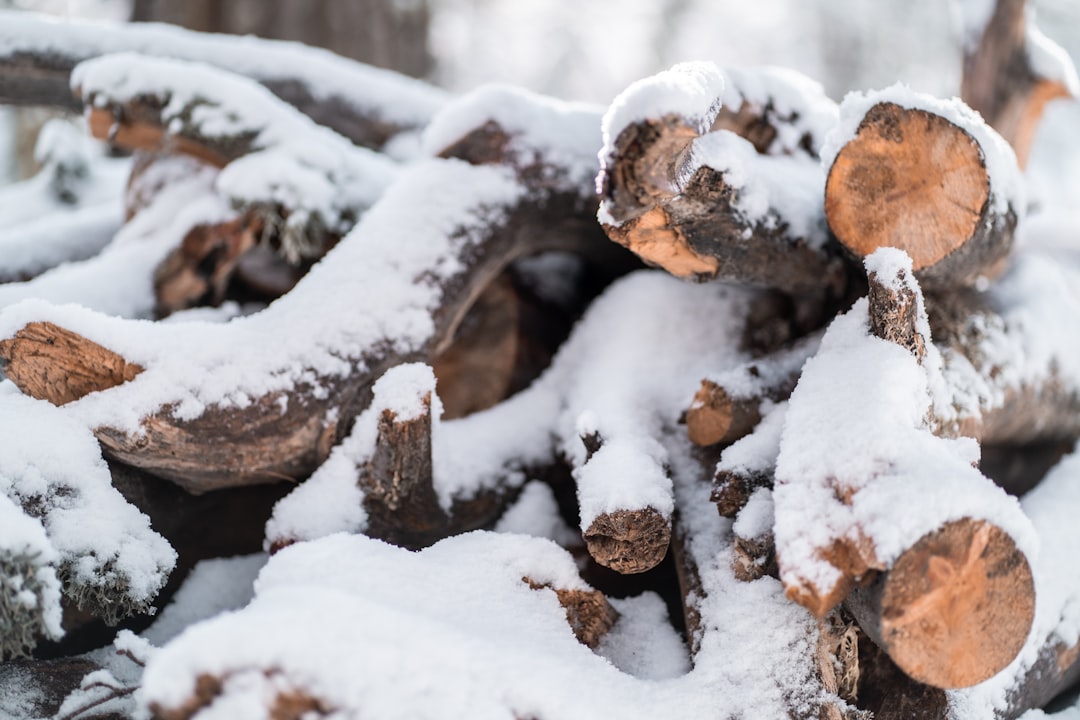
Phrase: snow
pixel 407 391
pixel 903 482
pixel 563 134
pixel 756 519
pixel 770 190
pixel 757 452
pixel 103 544
pixel 369 91
pixel 136 250
pixel 1007 187
pixel 643 643
pixel 27 576
pixel 1048 60
pixel 536 513
pixel 973 16
pixel 313 172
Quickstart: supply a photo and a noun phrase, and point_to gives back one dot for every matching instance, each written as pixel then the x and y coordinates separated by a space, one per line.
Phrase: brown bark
pixel 51 363
pixel 693 228
pixel 733 488
pixel 895 308
pixel 1000 82
pixel 199 271
pixel 955 608
pixel 913 180
pixel 360 108
pixel 588 612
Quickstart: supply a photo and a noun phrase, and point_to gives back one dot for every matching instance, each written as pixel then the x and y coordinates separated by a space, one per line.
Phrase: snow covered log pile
pixel 408 346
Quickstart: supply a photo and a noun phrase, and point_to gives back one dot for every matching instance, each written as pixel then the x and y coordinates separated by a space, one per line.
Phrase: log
pixel 928 177
pixel 952 601
pixel 748 464
pixel 753 553
pixel 459 248
pixel 729 405
pixel 367 105
pixel 1011 72
pixel 676 189
pixel 304 183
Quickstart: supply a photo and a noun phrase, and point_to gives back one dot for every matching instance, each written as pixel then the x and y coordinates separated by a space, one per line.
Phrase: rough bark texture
pixel 955 608
pixel 51 363
pixel 1000 82
pixel 913 180
pixel 588 612
pixel 693 229
pixel 894 313
pixel 732 489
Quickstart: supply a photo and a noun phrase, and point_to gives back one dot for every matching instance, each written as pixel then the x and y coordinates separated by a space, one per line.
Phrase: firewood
pixel 958 585
pixel 748 464
pixel 729 405
pixel 304 183
pixel 1011 71
pixel 754 547
pixel 469 243
pixel 367 105
pixel 686 193
pixel 928 177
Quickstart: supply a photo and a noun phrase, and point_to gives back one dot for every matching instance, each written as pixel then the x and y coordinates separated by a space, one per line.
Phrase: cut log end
pixel 957 607
pixel 629 541
pixel 50 363
pixel 589 613
pixel 657 239
pixel 909 179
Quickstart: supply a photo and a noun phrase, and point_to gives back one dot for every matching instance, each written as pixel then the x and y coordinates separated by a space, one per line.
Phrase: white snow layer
pixel 367 90
pixel 100 539
pixel 856 424
pixel 1007 186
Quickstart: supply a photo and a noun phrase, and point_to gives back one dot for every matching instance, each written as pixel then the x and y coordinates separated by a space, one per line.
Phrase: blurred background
pixel 591 50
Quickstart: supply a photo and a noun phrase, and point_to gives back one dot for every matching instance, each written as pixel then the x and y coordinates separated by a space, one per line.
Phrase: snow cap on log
pixel 925 175
pixel 701 174
pixel 510 125
pixel 112 564
pixel 29 589
pixel 307 178
pixel 876 492
pixel 370 106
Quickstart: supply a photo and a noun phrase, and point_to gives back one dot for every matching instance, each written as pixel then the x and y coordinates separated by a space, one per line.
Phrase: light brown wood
pixel 148 135
pixel 51 363
pixel 912 180
pixel 715 418
pixel 955 608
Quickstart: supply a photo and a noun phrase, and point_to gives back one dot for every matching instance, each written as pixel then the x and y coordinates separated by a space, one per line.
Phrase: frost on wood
pixel 365 104
pixel 714 174
pixel 926 176
pixel 29 589
pixel 109 560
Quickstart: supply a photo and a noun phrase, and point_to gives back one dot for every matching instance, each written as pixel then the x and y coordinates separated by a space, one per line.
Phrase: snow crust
pixel 327 76
pixel 1007 187
pixel 903 482
pixel 563 134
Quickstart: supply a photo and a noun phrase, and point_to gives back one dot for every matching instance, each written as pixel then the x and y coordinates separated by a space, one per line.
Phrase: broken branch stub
pixel 921 181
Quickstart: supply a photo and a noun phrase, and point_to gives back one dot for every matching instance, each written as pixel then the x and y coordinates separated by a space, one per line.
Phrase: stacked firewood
pixel 415 311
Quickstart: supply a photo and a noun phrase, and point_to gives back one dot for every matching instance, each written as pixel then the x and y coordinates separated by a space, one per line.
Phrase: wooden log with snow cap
pixel 928 177
pixel 458 249
pixel 949 598
pixel 682 189
pixel 749 464
pixel 370 106
pixel 1012 70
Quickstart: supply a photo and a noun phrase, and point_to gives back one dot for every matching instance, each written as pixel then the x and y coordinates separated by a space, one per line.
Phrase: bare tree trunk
pixel 387 33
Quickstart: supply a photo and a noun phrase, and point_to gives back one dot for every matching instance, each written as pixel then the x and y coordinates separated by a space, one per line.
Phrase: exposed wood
pixel 955 608
pixel 733 488
pixel 999 79
pixel 139 127
pixel 729 405
pixel 588 612
pixel 198 272
pixel 353 99
pixel 476 371
pixel 896 311
pixel 51 363
pixel 913 180
pixel 693 228
pixel 629 541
